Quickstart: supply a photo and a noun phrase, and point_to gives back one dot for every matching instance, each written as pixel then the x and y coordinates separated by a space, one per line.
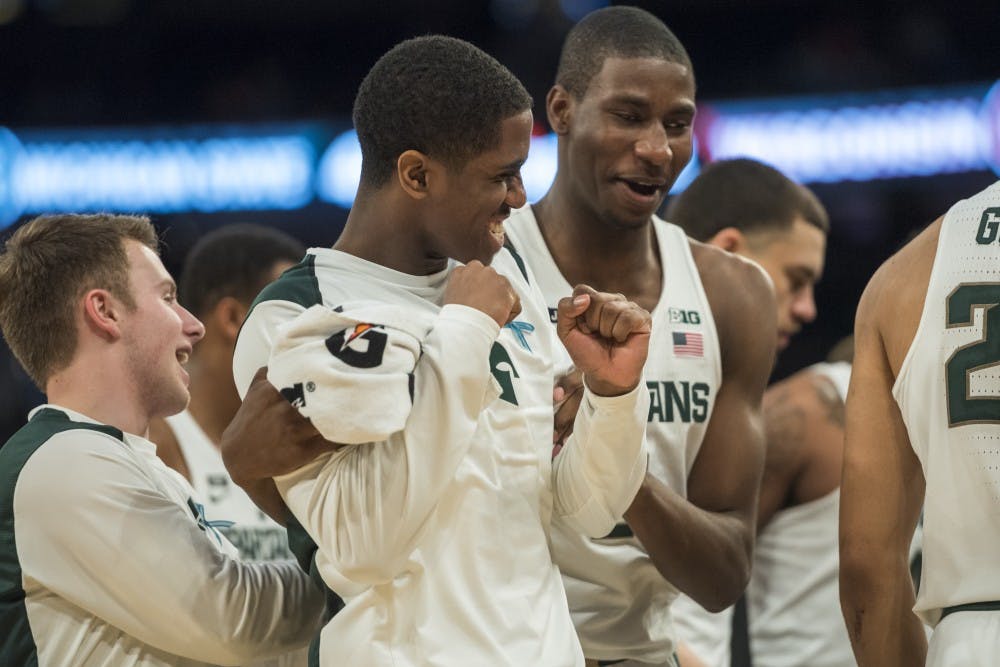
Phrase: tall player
pixel 622 107
pixel 923 425
pixel 432 518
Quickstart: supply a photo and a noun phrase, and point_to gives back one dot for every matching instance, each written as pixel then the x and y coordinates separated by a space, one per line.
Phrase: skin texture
pixel 634 125
pixel 883 484
pixel 128 366
pixel 804 418
pixel 793 258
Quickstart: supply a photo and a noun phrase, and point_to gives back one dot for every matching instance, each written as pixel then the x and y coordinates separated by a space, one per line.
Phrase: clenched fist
pixel 482 288
pixel 607 337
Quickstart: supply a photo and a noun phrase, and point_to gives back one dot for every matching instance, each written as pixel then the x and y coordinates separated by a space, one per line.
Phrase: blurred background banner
pixel 818 139
pixel 203 113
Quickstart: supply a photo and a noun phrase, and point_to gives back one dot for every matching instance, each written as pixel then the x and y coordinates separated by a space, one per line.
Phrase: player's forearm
pixel 595 476
pixel 706 555
pixel 877 600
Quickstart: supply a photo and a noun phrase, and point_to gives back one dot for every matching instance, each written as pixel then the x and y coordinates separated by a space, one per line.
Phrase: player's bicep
pixel 726 474
pixel 785 423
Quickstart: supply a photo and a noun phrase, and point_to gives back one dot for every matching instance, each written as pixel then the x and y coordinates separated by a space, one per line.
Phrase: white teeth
pixel 182 357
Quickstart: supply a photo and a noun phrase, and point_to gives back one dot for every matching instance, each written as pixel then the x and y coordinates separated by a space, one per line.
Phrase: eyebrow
pixel 806 271
pixel 642 101
pixel 512 166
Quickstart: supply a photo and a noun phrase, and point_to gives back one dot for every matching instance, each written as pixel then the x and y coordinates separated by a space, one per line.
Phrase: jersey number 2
pixel 964 408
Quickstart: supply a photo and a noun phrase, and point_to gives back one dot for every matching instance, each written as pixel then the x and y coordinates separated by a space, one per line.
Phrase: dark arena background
pixel 203 113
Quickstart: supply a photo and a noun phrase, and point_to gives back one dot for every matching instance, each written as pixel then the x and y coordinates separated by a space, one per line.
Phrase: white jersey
pixel 107 559
pixel 948 391
pixel 621 604
pixel 432 522
pixel 256 535
pixel 793 599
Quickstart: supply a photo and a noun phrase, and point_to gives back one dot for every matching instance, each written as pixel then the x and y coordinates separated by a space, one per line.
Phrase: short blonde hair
pixel 47 266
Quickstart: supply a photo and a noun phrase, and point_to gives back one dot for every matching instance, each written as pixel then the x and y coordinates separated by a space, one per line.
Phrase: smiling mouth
pixel 640 188
pixel 496 229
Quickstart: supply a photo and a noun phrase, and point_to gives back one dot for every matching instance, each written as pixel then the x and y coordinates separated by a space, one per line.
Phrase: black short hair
pixel 622 32
pixel 745 194
pixel 235 260
pixel 438 95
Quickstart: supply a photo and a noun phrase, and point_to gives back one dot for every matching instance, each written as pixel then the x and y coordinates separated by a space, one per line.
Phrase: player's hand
pixel 266 438
pixel 482 288
pixel 566 397
pixel 607 337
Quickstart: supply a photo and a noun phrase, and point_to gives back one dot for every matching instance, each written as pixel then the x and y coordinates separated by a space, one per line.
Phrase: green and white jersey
pixel 432 523
pixel 106 558
pixel 948 392
pixel 621 604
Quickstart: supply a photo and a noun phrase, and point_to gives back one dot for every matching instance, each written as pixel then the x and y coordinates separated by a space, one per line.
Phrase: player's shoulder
pixel 900 283
pixel 738 290
pixel 719 269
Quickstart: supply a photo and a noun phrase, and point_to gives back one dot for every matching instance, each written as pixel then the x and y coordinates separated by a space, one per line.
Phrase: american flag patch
pixel 688 344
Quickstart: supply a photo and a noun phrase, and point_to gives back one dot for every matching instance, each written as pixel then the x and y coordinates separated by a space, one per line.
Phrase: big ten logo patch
pixel 361 347
pixel 676 315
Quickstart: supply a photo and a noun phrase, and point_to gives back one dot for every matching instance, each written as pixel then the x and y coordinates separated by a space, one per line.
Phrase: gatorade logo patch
pixel 361 347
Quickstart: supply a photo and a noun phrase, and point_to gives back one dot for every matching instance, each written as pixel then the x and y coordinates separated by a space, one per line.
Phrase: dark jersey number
pixel 961 306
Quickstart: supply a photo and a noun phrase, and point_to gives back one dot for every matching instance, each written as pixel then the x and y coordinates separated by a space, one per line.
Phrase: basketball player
pixel 622 107
pixel 106 556
pixel 432 518
pixel 923 422
pixel 753 210
pixel 222 274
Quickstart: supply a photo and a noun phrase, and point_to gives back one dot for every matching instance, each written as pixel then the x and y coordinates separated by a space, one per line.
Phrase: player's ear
pixel 102 313
pixel 415 172
pixel 729 239
pixel 228 315
pixel 559 109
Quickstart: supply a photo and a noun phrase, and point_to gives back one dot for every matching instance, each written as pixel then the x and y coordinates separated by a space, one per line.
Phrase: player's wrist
pixel 606 388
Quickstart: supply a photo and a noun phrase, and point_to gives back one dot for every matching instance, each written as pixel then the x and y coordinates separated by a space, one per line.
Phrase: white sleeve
pixel 93 527
pixel 349 371
pixel 366 506
pixel 256 337
pixel 598 472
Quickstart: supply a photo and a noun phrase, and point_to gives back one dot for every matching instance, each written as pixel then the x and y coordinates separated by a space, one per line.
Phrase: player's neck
pixel 591 251
pixel 380 229
pixel 100 392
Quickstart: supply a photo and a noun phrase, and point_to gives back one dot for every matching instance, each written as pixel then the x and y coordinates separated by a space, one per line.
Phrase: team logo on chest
pixel 504 372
